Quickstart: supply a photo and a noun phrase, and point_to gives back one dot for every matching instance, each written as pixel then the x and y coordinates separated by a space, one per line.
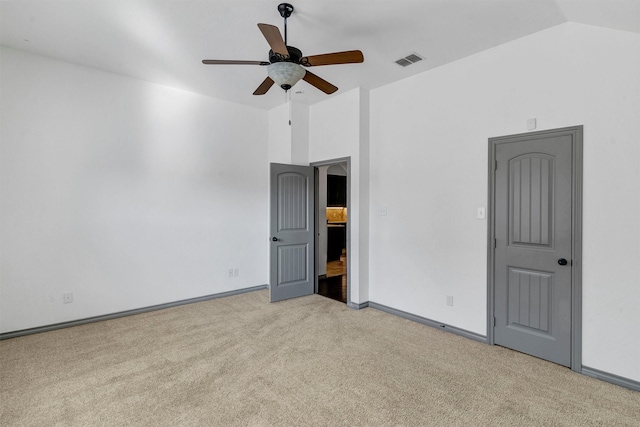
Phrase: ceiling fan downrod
pixel 285 10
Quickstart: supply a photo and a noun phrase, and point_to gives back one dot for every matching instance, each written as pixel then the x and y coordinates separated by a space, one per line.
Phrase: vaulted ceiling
pixel 164 41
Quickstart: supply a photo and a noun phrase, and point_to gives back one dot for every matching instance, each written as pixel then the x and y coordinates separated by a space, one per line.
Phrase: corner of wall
pixel 365 177
pixel 279 138
pixel 299 134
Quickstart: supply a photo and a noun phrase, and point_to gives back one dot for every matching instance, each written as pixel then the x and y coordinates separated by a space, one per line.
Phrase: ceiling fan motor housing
pixel 294 55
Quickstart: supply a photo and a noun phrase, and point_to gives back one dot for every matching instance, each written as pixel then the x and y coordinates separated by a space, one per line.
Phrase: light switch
pixel 482 213
pixel 531 124
pixel 382 212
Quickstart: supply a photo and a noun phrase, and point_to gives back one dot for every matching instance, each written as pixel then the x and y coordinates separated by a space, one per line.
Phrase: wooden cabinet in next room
pixel 336 190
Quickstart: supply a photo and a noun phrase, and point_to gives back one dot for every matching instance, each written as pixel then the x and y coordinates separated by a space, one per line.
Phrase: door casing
pixel 576 247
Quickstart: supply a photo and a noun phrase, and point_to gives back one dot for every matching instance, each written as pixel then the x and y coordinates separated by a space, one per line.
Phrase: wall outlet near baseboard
pixel 450 300
pixel 67 298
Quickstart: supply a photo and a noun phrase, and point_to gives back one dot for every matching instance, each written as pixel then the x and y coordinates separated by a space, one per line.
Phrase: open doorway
pixel 333 218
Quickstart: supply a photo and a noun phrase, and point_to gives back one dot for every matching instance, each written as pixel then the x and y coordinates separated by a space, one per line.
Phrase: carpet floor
pixel 309 361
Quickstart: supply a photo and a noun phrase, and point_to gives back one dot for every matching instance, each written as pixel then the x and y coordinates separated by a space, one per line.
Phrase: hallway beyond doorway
pixel 334 284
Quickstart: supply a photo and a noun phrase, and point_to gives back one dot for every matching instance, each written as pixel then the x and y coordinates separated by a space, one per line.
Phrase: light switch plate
pixel 482 213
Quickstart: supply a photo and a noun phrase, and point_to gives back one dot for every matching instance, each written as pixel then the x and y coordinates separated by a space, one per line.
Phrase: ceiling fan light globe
pixel 285 74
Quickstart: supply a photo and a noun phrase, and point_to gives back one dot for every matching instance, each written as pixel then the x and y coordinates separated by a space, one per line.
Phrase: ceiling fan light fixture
pixel 285 74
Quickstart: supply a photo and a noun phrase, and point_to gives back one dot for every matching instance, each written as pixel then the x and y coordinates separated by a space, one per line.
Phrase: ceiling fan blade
pixel 320 83
pixel 232 62
pixel 274 38
pixel 264 86
pixel 346 57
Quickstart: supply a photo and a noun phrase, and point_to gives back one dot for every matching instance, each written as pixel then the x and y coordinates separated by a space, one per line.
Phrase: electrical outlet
pixel 450 300
pixel 67 298
pixel 231 272
pixel 236 272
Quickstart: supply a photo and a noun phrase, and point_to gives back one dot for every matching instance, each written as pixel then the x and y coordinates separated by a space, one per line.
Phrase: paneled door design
pixel 533 265
pixel 292 228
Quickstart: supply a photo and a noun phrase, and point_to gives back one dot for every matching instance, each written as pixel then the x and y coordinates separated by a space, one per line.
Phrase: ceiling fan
pixel 285 62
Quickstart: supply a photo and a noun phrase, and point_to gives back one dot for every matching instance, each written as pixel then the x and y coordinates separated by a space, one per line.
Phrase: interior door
pixel 292 229
pixel 533 246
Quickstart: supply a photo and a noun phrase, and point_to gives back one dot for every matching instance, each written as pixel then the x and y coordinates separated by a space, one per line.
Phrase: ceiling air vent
pixel 408 60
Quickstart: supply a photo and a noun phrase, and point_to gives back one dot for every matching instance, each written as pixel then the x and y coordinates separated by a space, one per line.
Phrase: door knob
pixel 562 261
pixel 275 239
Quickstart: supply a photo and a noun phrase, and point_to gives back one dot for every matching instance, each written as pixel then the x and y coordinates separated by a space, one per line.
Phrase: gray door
pixel 533 246
pixel 292 228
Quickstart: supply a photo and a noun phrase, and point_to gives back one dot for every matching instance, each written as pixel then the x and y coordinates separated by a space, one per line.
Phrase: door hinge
pixel 494 321
pixel 496 166
pixel 495 243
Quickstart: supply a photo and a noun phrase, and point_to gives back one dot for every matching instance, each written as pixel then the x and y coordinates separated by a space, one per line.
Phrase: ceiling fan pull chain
pixel 287 94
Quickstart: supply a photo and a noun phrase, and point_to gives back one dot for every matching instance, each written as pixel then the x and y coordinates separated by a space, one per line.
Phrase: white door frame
pixel 576 255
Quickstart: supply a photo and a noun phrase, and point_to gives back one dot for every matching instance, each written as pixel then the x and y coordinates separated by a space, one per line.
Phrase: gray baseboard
pixel 358 306
pixel 591 372
pixel 611 378
pixel 429 322
pixel 55 326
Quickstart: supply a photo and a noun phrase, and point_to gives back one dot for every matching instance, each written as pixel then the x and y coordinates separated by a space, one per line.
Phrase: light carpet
pixel 309 361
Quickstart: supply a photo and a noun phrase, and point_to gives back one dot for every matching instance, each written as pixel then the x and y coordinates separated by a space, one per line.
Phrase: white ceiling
pixel 164 41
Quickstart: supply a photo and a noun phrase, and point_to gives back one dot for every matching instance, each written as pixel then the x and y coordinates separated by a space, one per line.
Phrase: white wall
pixel 335 132
pixel 288 134
pixel 279 135
pixel 429 169
pixel 125 193
pixel 299 134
